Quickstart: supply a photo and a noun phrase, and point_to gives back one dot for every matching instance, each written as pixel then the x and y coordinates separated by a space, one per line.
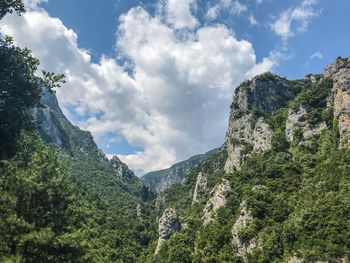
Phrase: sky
pixel 153 80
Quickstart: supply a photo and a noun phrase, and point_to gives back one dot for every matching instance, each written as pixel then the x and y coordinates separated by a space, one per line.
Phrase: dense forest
pixel 278 190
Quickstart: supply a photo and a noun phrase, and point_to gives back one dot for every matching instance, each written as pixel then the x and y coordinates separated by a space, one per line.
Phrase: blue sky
pixel 153 80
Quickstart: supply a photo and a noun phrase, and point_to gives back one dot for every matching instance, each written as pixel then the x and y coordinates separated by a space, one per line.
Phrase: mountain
pixel 278 188
pixel 87 159
pixel 163 179
pixel 118 200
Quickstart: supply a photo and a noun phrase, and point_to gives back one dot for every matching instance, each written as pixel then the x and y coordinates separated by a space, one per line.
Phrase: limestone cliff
pixel 169 224
pixel 340 73
pixel 247 131
pixel 217 200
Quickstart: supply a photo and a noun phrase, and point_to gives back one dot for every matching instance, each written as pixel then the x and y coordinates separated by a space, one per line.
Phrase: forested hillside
pixel 277 190
pixel 61 200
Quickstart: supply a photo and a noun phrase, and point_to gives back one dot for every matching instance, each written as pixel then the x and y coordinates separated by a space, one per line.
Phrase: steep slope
pixel 55 129
pixel 278 189
pixel 118 220
pixel 163 179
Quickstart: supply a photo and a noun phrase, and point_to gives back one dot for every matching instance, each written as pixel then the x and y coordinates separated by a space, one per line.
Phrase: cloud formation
pixel 172 95
pixel 296 19
pixel 233 7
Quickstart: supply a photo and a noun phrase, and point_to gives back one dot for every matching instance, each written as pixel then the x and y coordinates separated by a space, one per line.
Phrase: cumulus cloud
pixel 33 4
pixel 179 13
pixel 296 19
pixel 233 7
pixel 172 99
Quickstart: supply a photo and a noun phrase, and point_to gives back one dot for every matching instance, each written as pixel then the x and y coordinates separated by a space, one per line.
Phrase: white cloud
pixel 316 55
pixel 295 19
pixel 176 101
pixel 252 20
pixel 179 13
pixel 33 4
pixel 233 7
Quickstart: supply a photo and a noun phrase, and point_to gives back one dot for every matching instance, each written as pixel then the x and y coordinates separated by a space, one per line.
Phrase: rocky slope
pixel 163 179
pixel 55 129
pixel 277 190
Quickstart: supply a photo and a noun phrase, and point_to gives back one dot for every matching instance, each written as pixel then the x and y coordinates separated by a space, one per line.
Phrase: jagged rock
pixel 297 120
pixel 262 136
pixel 246 132
pixel 48 117
pixel 340 73
pixel 169 223
pixel 244 246
pixel 200 188
pixel 217 199
pixel 121 169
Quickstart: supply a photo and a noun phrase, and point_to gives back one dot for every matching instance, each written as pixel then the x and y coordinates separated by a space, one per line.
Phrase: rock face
pixel 50 129
pixel 217 199
pixel 247 132
pixel 121 169
pixel 340 73
pixel 169 223
pixel 200 188
pixel 163 179
pixel 244 246
pixel 296 121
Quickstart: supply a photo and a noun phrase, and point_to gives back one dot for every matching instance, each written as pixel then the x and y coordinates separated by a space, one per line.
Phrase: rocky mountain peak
pixel 266 92
pixel 248 131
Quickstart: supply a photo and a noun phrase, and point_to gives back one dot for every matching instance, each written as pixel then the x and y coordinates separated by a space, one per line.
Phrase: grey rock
pixel 244 246
pixel 217 199
pixel 248 133
pixel 297 120
pixel 169 224
pixel 121 169
pixel 200 187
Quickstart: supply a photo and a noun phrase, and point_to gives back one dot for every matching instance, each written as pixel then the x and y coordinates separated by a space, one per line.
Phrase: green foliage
pixel 8 6
pixel 20 90
pixel 38 218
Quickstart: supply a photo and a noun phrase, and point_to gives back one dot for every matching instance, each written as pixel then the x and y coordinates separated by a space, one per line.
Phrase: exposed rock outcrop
pixel 169 223
pixel 217 199
pixel 121 169
pixel 340 73
pixel 297 121
pixel 200 187
pixel 247 133
pixel 244 246
pixel 50 128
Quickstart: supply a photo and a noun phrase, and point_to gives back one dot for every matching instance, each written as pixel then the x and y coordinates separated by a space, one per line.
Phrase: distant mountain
pixel 163 179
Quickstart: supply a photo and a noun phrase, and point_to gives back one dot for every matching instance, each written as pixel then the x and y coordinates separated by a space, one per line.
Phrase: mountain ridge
pixel 275 189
